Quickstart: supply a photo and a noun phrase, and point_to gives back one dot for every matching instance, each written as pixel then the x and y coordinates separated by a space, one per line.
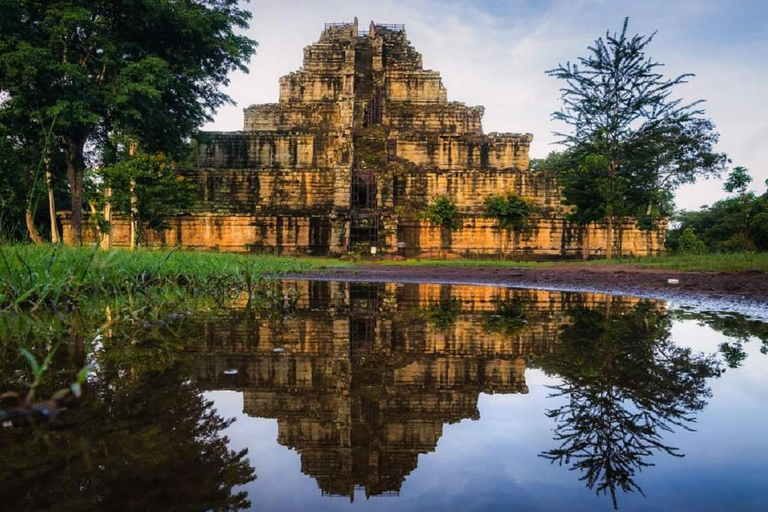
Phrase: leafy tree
pixel 629 136
pixel 586 186
pixel 25 163
pixel 738 180
pixel 150 71
pixel 511 213
pixel 758 225
pixel 13 189
pixel 147 189
pixel 442 212
pixel 738 328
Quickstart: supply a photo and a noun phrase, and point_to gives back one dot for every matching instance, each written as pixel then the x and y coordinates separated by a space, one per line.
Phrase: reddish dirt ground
pixel 751 286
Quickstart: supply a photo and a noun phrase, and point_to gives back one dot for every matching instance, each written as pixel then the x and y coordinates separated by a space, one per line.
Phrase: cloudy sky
pixel 494 53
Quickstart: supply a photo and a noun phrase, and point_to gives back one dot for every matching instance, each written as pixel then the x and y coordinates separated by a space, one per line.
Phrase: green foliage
pixel 442 212
pixel 631 141
pixel 157 189
pixel 758 226
pixel 738 180
pixel 27 404
pixel 509 210
pixel 370 147
pixel 737 223
pixel 689 243
pixel 709 262
pixel 738 328
pixel 99 72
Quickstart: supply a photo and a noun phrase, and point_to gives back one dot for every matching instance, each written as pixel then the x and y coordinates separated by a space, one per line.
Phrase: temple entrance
pixel 364 219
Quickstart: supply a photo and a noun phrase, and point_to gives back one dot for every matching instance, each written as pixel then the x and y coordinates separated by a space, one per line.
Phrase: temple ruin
pixel 361 141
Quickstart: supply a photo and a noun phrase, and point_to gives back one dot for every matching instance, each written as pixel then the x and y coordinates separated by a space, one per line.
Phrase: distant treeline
pixel 738 223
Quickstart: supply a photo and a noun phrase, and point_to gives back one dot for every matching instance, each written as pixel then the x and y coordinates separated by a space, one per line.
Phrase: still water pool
pixel 360 396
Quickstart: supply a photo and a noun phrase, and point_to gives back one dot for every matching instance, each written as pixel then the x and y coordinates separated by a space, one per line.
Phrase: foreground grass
pixel 55 277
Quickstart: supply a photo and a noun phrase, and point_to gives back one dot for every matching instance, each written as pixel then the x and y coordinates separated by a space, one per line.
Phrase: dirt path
pixel 747 289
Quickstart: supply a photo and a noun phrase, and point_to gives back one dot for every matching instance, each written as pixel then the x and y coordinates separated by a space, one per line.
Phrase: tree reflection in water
pixel 625 384
pixel 738 328
pixel 146 442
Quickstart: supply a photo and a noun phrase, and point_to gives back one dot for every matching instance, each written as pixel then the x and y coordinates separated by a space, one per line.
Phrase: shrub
pixel 689 243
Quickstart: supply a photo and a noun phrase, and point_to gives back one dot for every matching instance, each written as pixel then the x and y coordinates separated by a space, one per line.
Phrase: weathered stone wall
pixel 266 191
pixel 451 118
pixel 546 238
pixel 496 151
pixel 277 234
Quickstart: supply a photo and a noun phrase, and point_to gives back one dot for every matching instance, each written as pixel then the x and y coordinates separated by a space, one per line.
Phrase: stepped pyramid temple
pixel 362 377
pixel 361 141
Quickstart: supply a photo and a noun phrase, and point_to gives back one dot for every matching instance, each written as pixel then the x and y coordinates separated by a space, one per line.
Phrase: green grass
pixel 459 263
pixel 720 262
pixel 55 277
pixel 731 262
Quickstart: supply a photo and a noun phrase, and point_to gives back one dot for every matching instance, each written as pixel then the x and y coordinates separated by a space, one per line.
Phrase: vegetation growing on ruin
pixel 146 189
pixel 442 212
pixel 370 147
pixel 511 214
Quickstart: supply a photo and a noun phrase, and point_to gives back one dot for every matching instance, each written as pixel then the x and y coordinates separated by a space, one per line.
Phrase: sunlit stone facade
pixel 361 140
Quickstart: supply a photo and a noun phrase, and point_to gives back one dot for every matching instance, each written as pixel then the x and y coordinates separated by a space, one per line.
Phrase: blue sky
pixel 494 53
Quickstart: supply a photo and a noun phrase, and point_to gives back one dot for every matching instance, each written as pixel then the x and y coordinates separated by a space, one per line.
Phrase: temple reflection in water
pixel 361 377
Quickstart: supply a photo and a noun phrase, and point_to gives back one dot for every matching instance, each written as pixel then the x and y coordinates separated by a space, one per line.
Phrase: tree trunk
pixel 29 211
pixel 609 239
pixel 132 148
pixel 55 238
pixel 30 219
pixel 134 224
pixel 612 166
pixel 505 243
pixel 75 172
pixel 585 243
pixel 106 237
pixel 444 242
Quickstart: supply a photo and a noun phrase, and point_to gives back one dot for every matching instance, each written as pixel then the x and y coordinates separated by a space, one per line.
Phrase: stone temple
pixel 361 141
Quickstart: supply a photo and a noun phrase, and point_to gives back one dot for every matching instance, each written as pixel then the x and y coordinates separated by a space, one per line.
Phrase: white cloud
pixel 496 56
